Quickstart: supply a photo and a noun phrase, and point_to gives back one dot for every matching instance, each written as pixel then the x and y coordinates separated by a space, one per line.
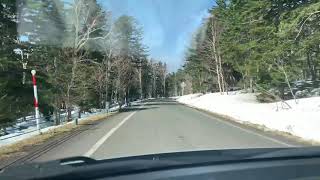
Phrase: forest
pixel 84 57
pixel 266 46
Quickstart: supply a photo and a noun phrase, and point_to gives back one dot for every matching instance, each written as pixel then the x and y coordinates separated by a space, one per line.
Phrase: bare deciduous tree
pixel 85 19
pixel 213 44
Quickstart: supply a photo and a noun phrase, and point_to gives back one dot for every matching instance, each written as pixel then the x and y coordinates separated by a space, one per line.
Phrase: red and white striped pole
pixel 35 93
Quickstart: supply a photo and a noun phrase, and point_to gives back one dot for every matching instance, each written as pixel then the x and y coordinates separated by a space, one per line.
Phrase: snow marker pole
pixel 36 104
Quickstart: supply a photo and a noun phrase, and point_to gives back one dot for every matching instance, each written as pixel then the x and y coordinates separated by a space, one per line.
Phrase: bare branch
pixel 301 27
pixel 90 61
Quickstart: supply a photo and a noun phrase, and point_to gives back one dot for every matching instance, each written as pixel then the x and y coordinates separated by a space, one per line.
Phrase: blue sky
pixel 168 24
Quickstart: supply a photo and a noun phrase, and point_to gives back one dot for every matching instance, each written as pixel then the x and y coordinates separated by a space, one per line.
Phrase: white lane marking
pixel 106 136
pixel 248 131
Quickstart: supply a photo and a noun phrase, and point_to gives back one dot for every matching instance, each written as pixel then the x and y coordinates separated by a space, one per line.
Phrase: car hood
pixel 83 165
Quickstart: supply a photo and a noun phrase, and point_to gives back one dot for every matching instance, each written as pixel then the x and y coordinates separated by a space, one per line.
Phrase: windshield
pixel 119 78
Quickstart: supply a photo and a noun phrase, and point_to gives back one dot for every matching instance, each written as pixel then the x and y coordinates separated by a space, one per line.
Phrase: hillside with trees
pixel 84 57
pixel 272 47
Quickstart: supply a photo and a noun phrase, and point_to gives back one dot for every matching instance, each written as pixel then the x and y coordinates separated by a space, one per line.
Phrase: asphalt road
pixel 162 126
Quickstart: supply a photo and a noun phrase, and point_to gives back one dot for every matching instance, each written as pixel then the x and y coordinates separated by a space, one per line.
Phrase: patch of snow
pixel 25 129
pixel 115 108
pixel 174 97
pixel 302 120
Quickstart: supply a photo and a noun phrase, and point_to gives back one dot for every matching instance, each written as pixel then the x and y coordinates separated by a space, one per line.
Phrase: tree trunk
pixel 311 67
pixel 55 117
pixel 150 91
pixel 59 117
pixel 71 84
pixel 56 114
pixel 79 113
pixel 100 99
pixel 154 86
pixel 251 85
pixel 199 90
pixel 175 89
pixel 221 74
pixel 215 55
pixel 112 96
pixel 288 83
pixel 56 103
pixel 245 81
pixel 281 89
pixel 128 97
pixel 182 91
pixel 107 83
pixel 140 81
pixel 116 94
pixel 164 86
pixel 218 79
pixel 69 116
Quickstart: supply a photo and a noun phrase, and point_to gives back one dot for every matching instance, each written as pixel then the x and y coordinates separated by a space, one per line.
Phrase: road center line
pixel 247 131
pixel 106 136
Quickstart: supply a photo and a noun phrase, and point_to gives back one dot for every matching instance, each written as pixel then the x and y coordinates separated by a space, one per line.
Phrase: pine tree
pixel 15 97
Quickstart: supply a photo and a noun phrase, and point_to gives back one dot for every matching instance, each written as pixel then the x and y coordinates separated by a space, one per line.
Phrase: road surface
pixel 158 127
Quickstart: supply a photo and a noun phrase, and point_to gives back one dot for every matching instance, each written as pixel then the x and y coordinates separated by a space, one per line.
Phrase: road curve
pixel 161 126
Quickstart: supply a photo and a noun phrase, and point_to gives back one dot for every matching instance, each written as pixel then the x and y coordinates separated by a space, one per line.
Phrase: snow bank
pixel 21 135
pixel 27 129
pixel 15 134
pixel 302 120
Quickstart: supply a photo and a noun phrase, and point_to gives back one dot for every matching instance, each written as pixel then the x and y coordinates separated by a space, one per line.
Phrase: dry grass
pixel 21 146
pixel 95 118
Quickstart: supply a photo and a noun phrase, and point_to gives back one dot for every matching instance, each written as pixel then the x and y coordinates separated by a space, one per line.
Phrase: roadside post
pixel 36 104
pixel 76 122
pixel 107 106
pixel 183 85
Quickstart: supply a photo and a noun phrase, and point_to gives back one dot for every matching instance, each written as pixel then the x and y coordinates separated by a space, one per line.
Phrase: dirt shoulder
pixel 41 143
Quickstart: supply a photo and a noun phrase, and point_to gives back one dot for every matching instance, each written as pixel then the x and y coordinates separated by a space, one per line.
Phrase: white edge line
pixel 95 147
pixel 248 131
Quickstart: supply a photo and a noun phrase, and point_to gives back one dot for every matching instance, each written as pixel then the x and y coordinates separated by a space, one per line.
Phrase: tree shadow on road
pixel 161 104
pixel 129 109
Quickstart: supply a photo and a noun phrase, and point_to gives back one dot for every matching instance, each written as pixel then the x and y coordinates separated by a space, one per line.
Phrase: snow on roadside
pixel 302 120
pixel 21 135
pixel 15 134
pixel 31 130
